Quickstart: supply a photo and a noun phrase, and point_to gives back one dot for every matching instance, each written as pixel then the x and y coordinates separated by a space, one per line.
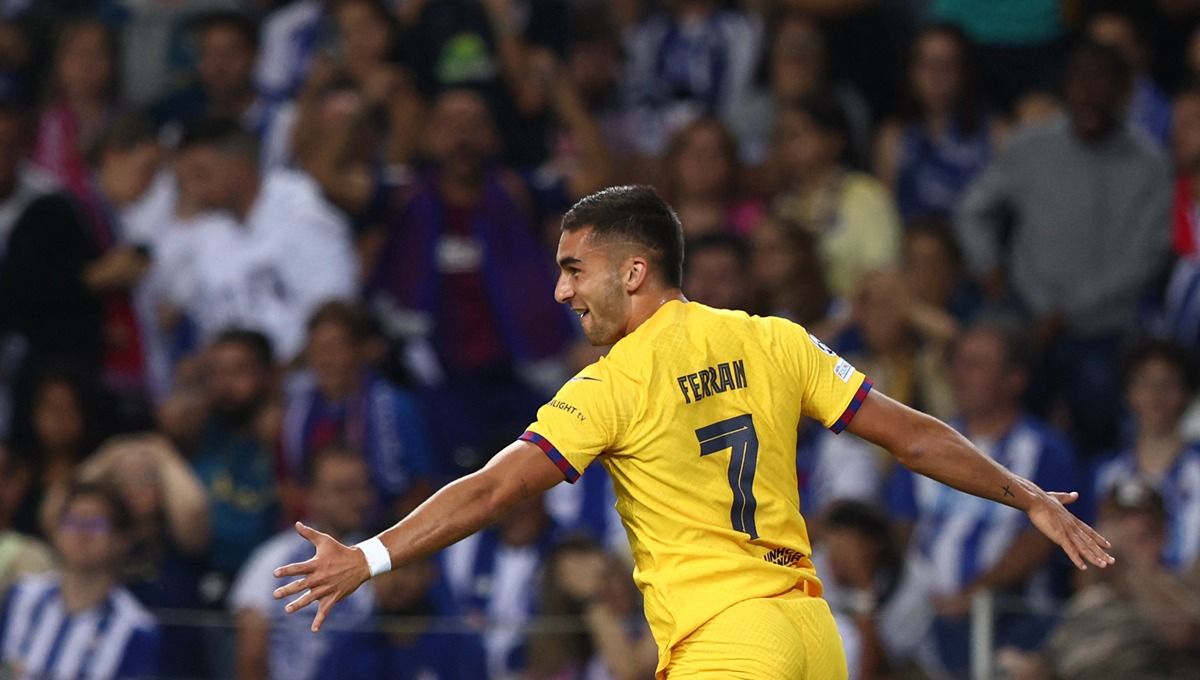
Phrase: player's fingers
pixel 1067 543
pixel 297 569
pixel 322 609
pixel 1089 549
pixel 302 601
pixel 308 532
pixel 291 588
pixel 1096 536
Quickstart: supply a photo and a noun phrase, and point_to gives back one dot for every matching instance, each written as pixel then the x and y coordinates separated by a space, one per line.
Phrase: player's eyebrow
pixel 568 260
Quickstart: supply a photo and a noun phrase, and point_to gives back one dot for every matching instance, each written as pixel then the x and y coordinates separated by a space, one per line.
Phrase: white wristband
pixel 378 559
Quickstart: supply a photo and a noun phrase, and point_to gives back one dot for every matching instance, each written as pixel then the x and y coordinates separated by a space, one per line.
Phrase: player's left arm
pixel 456 511
pixel 929 447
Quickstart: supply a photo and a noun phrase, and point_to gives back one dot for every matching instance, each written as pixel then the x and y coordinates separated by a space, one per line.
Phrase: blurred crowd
pixel 267 261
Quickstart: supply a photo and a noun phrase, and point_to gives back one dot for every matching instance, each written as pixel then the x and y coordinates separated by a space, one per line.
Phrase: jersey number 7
pixel 738 435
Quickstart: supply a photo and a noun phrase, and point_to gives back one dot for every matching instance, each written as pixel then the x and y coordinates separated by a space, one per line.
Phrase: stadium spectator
pixel 588 509
pixel 231 443
pixel 65 423
pixel 717 272
pixel 860 565
pixel 271 645
pixel 1179 318
pixel 850 213
pixel 223 85
pixel 83 95
pixel 344 402
pixel 99 626
pixel 1021 43
pixel 798 67
pixel 789 278
pixel 688 59
pixel 1082 179
pixel 20 554
pixel 702 177
pixel 492 579
pixel 1149 108
pixel 944 135
pixel 1139 620
pixel 959 546
pixel 286 251
pixel 460 226
pixel 934 269
pixel 1160 381
pixel 901 341
pixel 167 536
pixel 581 584
pixel 409 645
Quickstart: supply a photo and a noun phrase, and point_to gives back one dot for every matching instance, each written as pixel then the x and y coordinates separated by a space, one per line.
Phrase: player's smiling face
pixel 589 282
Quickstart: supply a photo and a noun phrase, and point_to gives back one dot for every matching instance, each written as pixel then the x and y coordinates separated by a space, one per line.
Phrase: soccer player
pixel 694 415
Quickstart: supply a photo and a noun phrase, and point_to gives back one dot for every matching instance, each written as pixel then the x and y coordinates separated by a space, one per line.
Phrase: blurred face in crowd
pixel 797 59
pixel 1135 535
pixel 126 174
pixel 136 475
pixel 981 375
pixel 238 383
pixel 86 538
pixel 84 68
pixel 881 311
pixel 335 358
pixel 1118 32
pixel 595 69
pixel 591 281
pixel 930 270
pixel 58 417
pixel 365 36
pixel 462 137
pixel 776 258
pixel 524 522
pixel 806 149
pixel 226 63
pixel 936 72
pixel 405 589
pixel 1185 132
pixel 1094 95
pixel 340 495
pixel 211 178
pixel 715 277
pixel 1157 396
pixel 704 162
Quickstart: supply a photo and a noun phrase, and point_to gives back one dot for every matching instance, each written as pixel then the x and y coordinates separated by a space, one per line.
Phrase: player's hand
pixel 328 578
pixel 1081 542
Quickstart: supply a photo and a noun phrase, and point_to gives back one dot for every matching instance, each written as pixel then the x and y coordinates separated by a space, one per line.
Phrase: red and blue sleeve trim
pixel 552 453
pixel 852 408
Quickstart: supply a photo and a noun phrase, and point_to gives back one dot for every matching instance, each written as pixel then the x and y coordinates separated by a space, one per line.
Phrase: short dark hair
pixel 231 19
pixel 129 130
pixel 254 341
pixel 118 510
pixel 350 316
pixel 224 134
pixel 1151 349
pixel 1013 335
pixel 634 213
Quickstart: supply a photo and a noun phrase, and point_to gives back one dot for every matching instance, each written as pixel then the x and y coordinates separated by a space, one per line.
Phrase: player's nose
pixel 563 292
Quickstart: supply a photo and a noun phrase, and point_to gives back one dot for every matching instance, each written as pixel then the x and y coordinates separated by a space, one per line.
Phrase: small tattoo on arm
pixel 1008 492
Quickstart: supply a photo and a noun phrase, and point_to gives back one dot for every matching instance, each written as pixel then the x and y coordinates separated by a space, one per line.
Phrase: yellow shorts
pixel 790 637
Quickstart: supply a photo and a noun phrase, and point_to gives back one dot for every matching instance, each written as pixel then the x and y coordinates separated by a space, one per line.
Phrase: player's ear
pixel 636 273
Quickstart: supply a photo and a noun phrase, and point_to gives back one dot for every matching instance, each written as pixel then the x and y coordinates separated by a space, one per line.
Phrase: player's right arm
pixel 929 447
pixel 460 509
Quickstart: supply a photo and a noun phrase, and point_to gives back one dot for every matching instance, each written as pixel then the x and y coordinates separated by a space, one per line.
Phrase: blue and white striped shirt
pixel 1180 489
pixel 115 639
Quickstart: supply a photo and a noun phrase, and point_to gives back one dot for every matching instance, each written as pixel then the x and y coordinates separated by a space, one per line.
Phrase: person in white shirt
pixel 284 252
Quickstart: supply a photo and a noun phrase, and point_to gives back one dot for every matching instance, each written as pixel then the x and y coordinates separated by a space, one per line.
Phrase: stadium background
pixel 265 261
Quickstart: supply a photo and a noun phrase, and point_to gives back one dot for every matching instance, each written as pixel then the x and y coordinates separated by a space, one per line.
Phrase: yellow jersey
pixel 694 415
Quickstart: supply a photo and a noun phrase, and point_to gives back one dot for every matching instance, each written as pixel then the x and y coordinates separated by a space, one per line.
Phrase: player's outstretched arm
pixel 929 447
pixel 456 511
